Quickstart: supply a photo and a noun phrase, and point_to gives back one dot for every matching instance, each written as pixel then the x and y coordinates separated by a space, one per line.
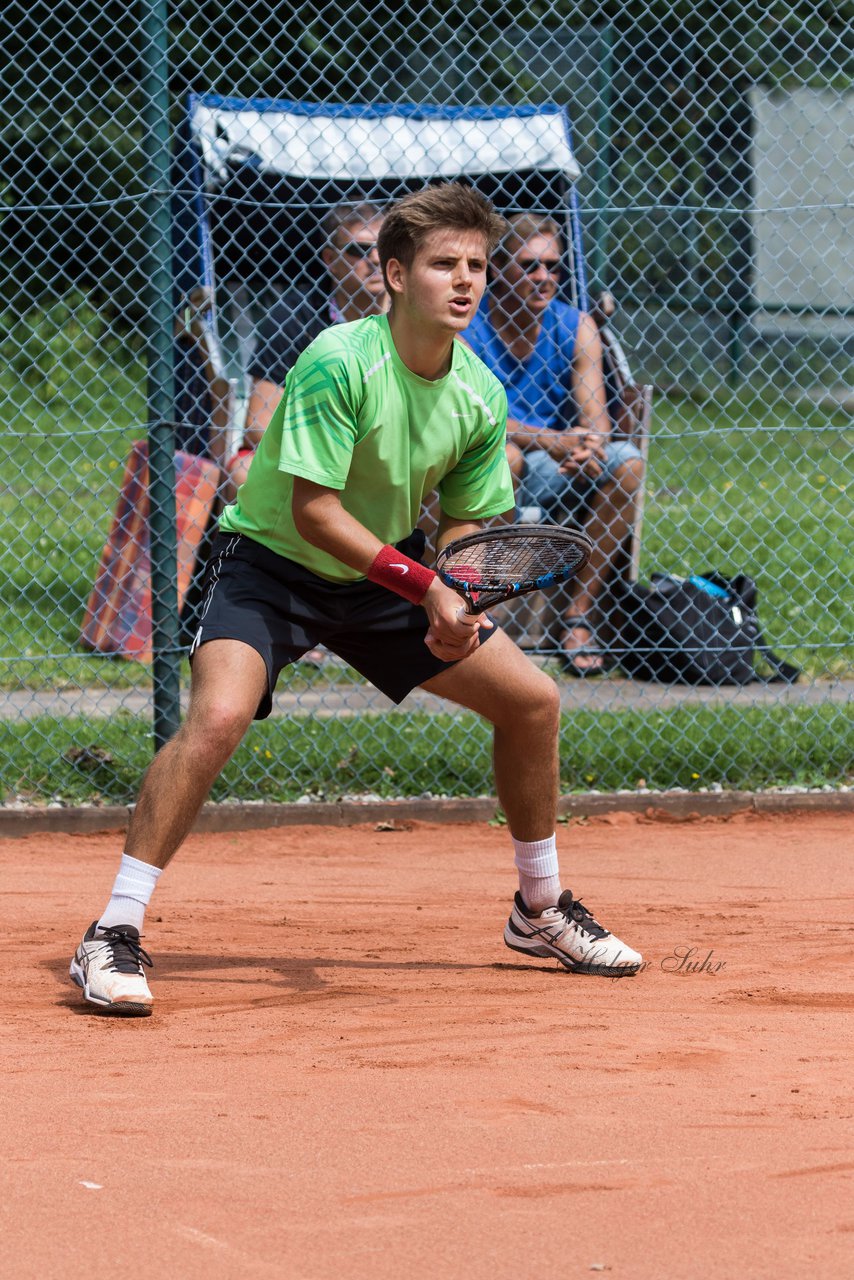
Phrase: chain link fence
pixel 189 190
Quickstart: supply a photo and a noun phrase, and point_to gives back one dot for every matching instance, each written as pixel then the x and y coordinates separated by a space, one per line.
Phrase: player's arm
pixel 449 528
pixel 321 519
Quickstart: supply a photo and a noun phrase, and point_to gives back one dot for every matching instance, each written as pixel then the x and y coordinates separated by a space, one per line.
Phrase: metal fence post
pixel 161 380
pixel 600 229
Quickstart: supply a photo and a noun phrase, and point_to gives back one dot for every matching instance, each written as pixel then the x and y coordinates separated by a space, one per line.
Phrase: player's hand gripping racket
pixel 500 564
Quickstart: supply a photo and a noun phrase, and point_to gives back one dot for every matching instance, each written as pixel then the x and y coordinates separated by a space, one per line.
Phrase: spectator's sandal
pixel 569 657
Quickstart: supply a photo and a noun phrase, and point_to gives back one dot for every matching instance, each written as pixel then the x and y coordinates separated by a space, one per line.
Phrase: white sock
pixel 132 892
pixel 539 874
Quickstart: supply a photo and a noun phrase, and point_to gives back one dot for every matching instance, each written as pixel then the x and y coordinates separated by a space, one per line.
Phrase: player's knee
pixel 548 703
pixel 536 705
pixel 219 729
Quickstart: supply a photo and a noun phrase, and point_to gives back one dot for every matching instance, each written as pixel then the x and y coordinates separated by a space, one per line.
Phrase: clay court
pixel 348 1075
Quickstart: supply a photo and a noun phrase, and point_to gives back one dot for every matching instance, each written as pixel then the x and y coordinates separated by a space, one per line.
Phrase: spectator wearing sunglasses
pixel 354 289
pixel 565 464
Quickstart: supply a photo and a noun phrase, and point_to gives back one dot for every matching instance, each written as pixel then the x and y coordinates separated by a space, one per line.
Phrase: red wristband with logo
pixel 401 575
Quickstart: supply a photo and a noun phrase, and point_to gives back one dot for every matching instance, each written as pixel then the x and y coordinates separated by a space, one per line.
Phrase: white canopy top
pixel 349 143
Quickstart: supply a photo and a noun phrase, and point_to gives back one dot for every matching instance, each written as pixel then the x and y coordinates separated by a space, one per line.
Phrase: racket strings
pixel 520 560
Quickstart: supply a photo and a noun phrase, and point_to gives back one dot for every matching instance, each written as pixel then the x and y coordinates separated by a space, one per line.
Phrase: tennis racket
pixel 500 564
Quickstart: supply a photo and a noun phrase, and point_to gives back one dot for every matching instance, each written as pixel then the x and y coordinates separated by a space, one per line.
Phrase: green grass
pixel 73 400
pixel 758 487
pixel 396 754
pixel 767 490
pixel 744 483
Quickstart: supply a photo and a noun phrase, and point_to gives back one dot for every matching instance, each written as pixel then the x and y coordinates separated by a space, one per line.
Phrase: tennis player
pixel 319 548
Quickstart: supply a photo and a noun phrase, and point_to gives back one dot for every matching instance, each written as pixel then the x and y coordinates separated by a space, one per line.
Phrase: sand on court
pixel 348 1075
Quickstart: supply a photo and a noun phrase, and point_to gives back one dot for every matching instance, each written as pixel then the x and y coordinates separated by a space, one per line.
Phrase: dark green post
pixel 741 263
pixel 600 228
pixel 695 176
pixel 161 374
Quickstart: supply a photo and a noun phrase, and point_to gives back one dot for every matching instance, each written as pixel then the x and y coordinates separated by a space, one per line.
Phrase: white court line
pixel 705 1158
pixel 553 1164
pixel 193 1233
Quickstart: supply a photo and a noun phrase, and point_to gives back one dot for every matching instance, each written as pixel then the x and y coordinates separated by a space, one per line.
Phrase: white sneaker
pixel 569 933
pixel 109 969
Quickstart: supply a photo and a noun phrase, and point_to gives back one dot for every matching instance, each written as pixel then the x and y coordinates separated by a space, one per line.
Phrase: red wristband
pixel 405 577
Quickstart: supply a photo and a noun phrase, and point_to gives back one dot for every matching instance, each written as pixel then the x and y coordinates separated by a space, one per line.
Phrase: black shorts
pixel 282 610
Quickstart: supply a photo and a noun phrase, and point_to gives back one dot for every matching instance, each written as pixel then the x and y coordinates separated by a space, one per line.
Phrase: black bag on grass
pixel 699 630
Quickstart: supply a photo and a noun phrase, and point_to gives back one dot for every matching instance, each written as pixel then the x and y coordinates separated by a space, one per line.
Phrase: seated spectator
pixel 549 357
pixel 352 264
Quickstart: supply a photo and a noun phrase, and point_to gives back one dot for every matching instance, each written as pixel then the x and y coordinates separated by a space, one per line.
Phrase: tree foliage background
pixel 676 78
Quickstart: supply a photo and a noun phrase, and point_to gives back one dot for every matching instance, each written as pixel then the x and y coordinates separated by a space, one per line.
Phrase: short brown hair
pixel 452 206
pixel 524 226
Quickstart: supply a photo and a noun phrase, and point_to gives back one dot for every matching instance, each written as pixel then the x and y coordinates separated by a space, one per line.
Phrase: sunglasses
pixel 356 250
pixel 529 265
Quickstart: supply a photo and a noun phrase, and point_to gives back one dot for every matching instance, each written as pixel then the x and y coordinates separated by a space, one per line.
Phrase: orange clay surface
pixel 348 1075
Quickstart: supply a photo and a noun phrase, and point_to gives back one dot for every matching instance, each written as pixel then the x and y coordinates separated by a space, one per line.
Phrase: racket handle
pixel 464 615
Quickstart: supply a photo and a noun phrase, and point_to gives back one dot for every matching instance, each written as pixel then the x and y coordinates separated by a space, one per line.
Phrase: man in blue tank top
pixel 548 355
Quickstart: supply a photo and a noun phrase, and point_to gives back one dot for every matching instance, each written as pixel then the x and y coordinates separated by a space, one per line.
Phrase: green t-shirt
pixel 353 417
